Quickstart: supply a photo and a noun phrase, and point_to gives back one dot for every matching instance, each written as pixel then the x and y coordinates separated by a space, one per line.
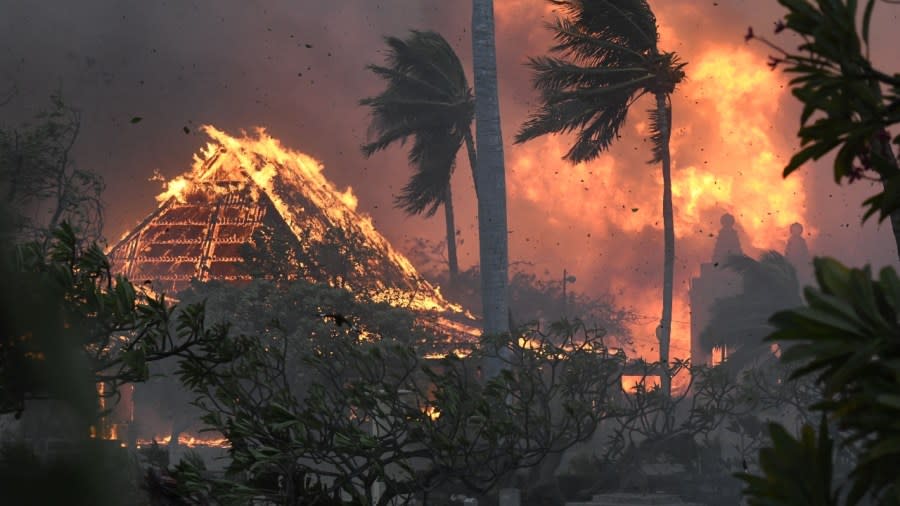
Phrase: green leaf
pixel 890 286
pixel 866 20
pixel 813 152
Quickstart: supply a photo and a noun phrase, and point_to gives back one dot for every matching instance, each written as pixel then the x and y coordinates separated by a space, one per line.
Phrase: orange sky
pixel 606 215
pixel 237 64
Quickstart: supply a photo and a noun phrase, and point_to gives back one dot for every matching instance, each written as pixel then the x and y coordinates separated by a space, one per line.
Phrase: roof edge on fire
pixel 207 210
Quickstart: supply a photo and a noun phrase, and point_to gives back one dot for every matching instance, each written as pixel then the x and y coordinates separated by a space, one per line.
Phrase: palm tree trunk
pixel 665 112
pixel 452 263
pixel 490 174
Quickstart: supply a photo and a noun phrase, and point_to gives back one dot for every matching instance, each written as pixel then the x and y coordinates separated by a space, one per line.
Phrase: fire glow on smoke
pixel 603 219
pixel 727 157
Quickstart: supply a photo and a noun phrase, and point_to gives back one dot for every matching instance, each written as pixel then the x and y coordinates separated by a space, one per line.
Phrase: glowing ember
pixel 186 440
pixel 460 353
pixel 630 383
pixel 432 412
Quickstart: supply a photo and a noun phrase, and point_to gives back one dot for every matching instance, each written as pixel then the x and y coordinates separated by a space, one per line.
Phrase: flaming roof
pixel 242 190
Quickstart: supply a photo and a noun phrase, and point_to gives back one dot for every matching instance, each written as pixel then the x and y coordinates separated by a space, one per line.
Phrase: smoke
pixel 298 68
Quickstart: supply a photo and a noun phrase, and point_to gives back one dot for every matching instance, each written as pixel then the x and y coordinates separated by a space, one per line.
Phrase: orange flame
pixel 432 412
pixel 743 95
pixel 630 383
pixel 187 440
pixel 175 188
pixel 281 172
pixel 726 156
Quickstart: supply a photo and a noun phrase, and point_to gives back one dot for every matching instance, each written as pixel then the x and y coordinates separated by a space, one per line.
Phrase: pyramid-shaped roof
pixel 249 196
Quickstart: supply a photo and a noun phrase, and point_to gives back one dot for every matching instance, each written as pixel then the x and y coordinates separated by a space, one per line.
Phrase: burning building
pixel 250 207
pixel 246 193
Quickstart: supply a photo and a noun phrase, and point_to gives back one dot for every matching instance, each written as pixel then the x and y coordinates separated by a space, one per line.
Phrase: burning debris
pixel 185 440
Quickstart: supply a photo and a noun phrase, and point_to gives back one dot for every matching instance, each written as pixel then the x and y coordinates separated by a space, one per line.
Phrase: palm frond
pixel 573 41
pixel 429 57
pixel 741 322
pixel 427 99
pixel 772 267
pixel 387 128
pixel 598 115
pixel 412 84
pixel 434 156
pixel 742 264
pixel 388 111
pixel 658 141
pixel 599 94
pixel 558 74
pixel 607 59
pixel 601 132
pixel 631 21
pixel 597 119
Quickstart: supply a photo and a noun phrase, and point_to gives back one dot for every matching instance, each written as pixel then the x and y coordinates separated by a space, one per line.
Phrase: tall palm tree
pixel 608 59
pixel 490 174
pixel 427 98
pixel 739 323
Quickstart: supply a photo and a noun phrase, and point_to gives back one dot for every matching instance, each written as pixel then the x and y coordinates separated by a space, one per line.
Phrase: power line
pixel 645 317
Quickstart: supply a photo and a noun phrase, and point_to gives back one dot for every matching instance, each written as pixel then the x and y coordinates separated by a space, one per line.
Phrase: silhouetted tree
pixel 69 323
pixel 40 183
pixel 739 324
pixel 375 412
pixel 427 98
pixel 610 59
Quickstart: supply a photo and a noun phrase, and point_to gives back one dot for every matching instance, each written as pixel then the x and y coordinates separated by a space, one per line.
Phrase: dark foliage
pixel 848 104
pixel 740 323
pixel 69 324
pixel 40 182
pixel 374 410
pixel 848 338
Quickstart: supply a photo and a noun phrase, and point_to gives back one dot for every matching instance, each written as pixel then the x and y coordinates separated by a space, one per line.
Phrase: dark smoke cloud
pixel 239 64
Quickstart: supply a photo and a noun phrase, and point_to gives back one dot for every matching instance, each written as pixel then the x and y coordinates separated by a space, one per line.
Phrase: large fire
pixel 283 174
pixel 602 220
pixel 727 157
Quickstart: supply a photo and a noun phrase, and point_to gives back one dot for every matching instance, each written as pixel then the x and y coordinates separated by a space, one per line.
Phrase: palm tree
pixel 427 98
pixel 490 174
pixel 739 323
pixel 609 59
